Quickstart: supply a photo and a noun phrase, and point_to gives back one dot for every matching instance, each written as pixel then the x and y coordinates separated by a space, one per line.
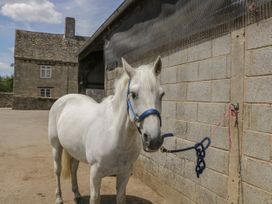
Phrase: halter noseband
pixel 138 119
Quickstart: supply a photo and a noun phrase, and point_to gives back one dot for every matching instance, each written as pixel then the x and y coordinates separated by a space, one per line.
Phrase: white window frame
pixel 45 72
pixel 45 92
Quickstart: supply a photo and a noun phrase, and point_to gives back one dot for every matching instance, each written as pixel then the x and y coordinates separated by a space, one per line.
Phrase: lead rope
pixel 199 148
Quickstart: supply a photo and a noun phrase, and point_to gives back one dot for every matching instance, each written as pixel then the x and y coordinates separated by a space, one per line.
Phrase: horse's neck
pixel 125 129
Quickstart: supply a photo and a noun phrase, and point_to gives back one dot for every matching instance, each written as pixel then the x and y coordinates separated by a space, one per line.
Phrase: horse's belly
pixel 118 163
pixel 77 152
pixel 71 137
pixel 75 148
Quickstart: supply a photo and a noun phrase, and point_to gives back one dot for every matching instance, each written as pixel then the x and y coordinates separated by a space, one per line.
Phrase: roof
pixel 106 24
pixel 47 46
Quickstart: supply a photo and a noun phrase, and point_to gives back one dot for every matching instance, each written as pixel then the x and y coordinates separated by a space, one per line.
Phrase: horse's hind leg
pixel 57 151
pixel 74 167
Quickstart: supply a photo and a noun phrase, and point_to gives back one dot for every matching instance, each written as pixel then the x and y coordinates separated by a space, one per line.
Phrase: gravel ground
pixel 26 166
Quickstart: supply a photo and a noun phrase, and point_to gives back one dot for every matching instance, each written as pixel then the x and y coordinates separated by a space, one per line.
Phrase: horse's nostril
pixel 145 137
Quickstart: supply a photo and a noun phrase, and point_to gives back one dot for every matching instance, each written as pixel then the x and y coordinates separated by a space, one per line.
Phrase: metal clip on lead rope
pixel 200 149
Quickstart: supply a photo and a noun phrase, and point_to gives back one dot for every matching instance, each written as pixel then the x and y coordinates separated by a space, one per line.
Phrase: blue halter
pixel 199 147
pixel 137 119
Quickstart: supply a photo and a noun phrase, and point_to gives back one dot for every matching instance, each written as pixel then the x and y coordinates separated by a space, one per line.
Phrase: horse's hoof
pixel 77 200
pixel 59 201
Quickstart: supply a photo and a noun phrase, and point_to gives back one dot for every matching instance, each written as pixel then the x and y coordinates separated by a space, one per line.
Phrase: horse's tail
pixel 66 165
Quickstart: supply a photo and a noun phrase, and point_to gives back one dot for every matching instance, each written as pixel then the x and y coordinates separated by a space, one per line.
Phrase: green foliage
pixel 6 84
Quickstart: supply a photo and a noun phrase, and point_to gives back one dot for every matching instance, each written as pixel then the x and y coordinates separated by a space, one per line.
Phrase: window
pixel 45 72
pixel 45 92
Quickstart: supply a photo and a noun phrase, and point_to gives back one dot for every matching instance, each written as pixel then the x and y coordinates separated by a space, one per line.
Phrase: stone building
pixel 214 53
pixel 46 66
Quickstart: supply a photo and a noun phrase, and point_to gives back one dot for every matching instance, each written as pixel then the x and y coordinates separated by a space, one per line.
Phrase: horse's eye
pixel 134 95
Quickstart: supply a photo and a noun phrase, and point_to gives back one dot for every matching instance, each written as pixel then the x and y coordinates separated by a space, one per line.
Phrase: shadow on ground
pixel 111 199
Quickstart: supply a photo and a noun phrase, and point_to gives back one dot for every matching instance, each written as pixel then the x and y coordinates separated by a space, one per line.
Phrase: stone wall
pixel 33 49
pixel 200 82
pixel 96 94
pixel 32 103
pixel 6 100
pixel 47 46
pixel 27 79
pixel 39 103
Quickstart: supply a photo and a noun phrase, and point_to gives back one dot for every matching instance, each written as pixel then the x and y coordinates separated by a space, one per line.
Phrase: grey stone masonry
pixel 200 81
pixel 186 111
pixel 259 89
pixel 221 90
pixel 260 117
pixel 214 68
pixel 262 145
pixel 6 100
pixel 32 103
pixel 211 113
pixel 258 173
pixel 258 62
pixel 70 24
pixel 221 45
pixel 257 141
pixel 169 75
pixel 47 46
pixel 35 51
pixel 259 34
pixel 96 94
pixel 187 72
pixel 200 52
pixel 199 91
pixel 253 195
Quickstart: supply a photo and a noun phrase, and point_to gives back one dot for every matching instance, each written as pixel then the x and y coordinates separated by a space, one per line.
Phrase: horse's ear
pixel 127 68
pixel 157 66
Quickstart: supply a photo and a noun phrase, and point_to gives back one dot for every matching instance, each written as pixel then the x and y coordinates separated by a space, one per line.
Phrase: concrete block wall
pixel 200 82
pixel 257 131
pixel 197 90
pixel 196 81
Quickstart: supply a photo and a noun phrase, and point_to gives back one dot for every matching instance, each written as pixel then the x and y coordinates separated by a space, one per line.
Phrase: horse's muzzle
pixel 152 144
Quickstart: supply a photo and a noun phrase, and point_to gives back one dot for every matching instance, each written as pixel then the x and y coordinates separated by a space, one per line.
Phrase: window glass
pixel 45 92
pixel 45 71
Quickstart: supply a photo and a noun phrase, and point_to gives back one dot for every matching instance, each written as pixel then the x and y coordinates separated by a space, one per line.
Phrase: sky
pixel 47 16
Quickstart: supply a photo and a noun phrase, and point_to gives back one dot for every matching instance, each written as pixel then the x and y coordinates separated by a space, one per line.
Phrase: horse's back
pixel 61 104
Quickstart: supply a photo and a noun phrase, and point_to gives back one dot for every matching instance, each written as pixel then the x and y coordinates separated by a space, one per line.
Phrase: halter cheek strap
pixel 139 119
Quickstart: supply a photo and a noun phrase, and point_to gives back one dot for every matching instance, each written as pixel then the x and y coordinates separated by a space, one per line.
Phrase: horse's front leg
pixel 95 184
pixel 121 184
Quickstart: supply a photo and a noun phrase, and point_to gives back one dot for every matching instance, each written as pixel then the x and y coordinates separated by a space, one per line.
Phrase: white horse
pixel 105 134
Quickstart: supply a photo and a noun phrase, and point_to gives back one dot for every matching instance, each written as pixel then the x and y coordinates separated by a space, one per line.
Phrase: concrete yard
pixel 26 170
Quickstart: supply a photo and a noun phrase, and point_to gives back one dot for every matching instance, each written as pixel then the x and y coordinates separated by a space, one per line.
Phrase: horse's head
pixel 144 102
